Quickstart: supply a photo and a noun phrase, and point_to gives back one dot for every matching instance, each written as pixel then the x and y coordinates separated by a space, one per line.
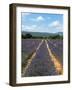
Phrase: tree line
pixel 28 35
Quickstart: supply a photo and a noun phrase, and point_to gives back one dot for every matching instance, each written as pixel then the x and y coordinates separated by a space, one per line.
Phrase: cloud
pixel 28 27
pixel 40 18
pixel 35 28
pixel 37 19
pixel 55 24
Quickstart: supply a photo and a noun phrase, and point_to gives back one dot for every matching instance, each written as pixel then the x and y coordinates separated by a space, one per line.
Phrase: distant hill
pixel 60 33
pixel 40 34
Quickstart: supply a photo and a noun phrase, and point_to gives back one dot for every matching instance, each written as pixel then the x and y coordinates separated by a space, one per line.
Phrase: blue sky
pixel 41 22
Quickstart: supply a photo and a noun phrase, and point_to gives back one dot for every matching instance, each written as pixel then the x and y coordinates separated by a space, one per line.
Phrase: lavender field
pixel 42 57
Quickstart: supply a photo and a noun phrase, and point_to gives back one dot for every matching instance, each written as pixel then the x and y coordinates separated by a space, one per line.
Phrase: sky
pixel 41 22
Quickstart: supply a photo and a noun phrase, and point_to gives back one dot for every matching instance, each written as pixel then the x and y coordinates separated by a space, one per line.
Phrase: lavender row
pixel 56 50
pixel 29 45
pixel 58 43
